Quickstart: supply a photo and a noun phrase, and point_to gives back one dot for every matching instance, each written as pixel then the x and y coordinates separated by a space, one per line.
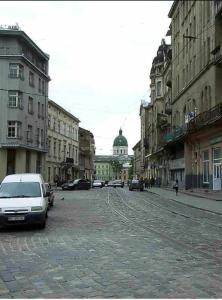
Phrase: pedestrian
pixel 152 181
pixel 146 182
pixel 176 186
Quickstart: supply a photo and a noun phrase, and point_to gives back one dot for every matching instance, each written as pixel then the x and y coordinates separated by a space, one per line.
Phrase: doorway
pixel 11 153
pixel 217 169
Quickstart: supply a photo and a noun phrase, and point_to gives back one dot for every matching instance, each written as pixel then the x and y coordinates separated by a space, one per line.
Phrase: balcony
pixel 207 117
pixel 175 134
pixel 19 52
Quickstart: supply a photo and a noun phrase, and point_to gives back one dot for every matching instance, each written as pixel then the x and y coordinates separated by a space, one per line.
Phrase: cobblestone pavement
pixel 112 243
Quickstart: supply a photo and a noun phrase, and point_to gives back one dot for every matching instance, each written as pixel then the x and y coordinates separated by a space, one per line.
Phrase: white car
pixel 23 200
pixel 97 183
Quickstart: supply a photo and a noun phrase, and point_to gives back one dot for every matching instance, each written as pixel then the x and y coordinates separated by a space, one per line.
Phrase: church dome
pixel 120 140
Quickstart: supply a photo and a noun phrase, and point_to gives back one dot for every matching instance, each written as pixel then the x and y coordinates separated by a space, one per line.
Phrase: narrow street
pixel 112 243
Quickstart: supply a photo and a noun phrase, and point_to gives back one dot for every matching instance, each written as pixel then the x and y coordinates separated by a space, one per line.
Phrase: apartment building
pixel 154 120
pixel 86 154
pixel 62 160
pixel 137 160
pixel 197 91
pixel 24 99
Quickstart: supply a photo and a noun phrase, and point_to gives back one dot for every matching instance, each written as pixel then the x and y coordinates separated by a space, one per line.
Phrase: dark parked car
pixel 136 184
pixel 51 196
pixel 77 184
pixel 118 183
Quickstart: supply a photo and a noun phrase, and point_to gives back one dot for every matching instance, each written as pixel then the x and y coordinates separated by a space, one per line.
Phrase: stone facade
pixel 24 99
pixel 62 161
pixel 137 160
pixel 86 154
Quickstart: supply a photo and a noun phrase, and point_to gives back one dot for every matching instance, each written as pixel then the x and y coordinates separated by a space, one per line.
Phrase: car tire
pixel 43 224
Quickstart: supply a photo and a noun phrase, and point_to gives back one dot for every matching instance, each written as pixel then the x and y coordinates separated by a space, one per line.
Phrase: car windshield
pixel 135 181
pixel 20 190
pixel 97 181
pixel 76 181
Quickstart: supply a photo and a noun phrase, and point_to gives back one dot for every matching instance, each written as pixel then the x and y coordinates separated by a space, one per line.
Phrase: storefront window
pixel 206 166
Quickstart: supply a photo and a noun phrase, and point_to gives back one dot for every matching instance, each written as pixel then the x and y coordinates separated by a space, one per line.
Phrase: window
pixel 38 136
pixel 158 88
pixel 15 99
pixel 76 157
pixel 49 121
pixel 31 79
pixel 30 105
pixel 43 87
pixel 39 113
pixel 59 125
pixel 206 175
pixel 40 85
pixel 29 133
pixel 42 110
pixel 42 137
pixel 16 71
pixel 49 146
pixel 54 148
pixel 59 148
pixel 14 129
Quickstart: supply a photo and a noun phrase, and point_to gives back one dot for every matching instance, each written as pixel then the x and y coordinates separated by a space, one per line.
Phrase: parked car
pixel 77 184
pixel 103 182
pixel 135 184
pixel 51 196
pixel 110 183
pixel 23 200
pixel 118 183
pixel 97 183
pixel 65 185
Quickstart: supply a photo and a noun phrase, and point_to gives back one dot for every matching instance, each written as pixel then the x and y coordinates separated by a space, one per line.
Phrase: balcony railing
pixel 205 118
pixel 16 51
pixel 174 134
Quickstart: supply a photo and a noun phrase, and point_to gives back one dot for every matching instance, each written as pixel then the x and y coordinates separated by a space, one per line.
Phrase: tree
pixel 131 169
pixel 117 167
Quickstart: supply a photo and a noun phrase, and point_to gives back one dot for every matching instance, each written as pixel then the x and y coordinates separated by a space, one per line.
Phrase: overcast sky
pixel 100 58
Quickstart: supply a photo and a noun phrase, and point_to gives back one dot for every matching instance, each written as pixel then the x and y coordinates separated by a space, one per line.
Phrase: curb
pixel 190 205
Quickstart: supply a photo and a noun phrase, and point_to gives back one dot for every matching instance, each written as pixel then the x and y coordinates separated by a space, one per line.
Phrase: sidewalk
pixel 211 201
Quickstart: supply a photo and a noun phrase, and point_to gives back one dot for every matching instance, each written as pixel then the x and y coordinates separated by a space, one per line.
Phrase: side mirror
pixel 47 194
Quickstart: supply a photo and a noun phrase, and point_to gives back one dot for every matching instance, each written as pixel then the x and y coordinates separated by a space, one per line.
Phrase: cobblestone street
pixel 112 243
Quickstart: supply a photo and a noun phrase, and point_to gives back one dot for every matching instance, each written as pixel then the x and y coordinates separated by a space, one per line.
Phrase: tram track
pixel 176 212
pixel 137 222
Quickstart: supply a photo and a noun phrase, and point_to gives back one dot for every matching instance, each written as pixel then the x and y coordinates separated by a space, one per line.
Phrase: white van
pixel 23 200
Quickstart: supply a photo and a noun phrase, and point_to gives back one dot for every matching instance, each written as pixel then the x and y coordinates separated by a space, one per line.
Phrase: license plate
pixel 16 218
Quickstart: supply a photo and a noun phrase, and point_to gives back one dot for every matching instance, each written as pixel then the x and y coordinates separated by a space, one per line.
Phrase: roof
pixel 120 140
pixel 63 110
pixel 21 34
pixel 25 177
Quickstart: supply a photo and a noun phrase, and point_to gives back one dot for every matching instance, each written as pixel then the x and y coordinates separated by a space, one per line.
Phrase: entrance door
pixel 217 174
pixel 11 154
pixel 217 177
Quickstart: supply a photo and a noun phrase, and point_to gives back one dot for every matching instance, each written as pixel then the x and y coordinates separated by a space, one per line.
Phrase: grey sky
pixel 100 57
